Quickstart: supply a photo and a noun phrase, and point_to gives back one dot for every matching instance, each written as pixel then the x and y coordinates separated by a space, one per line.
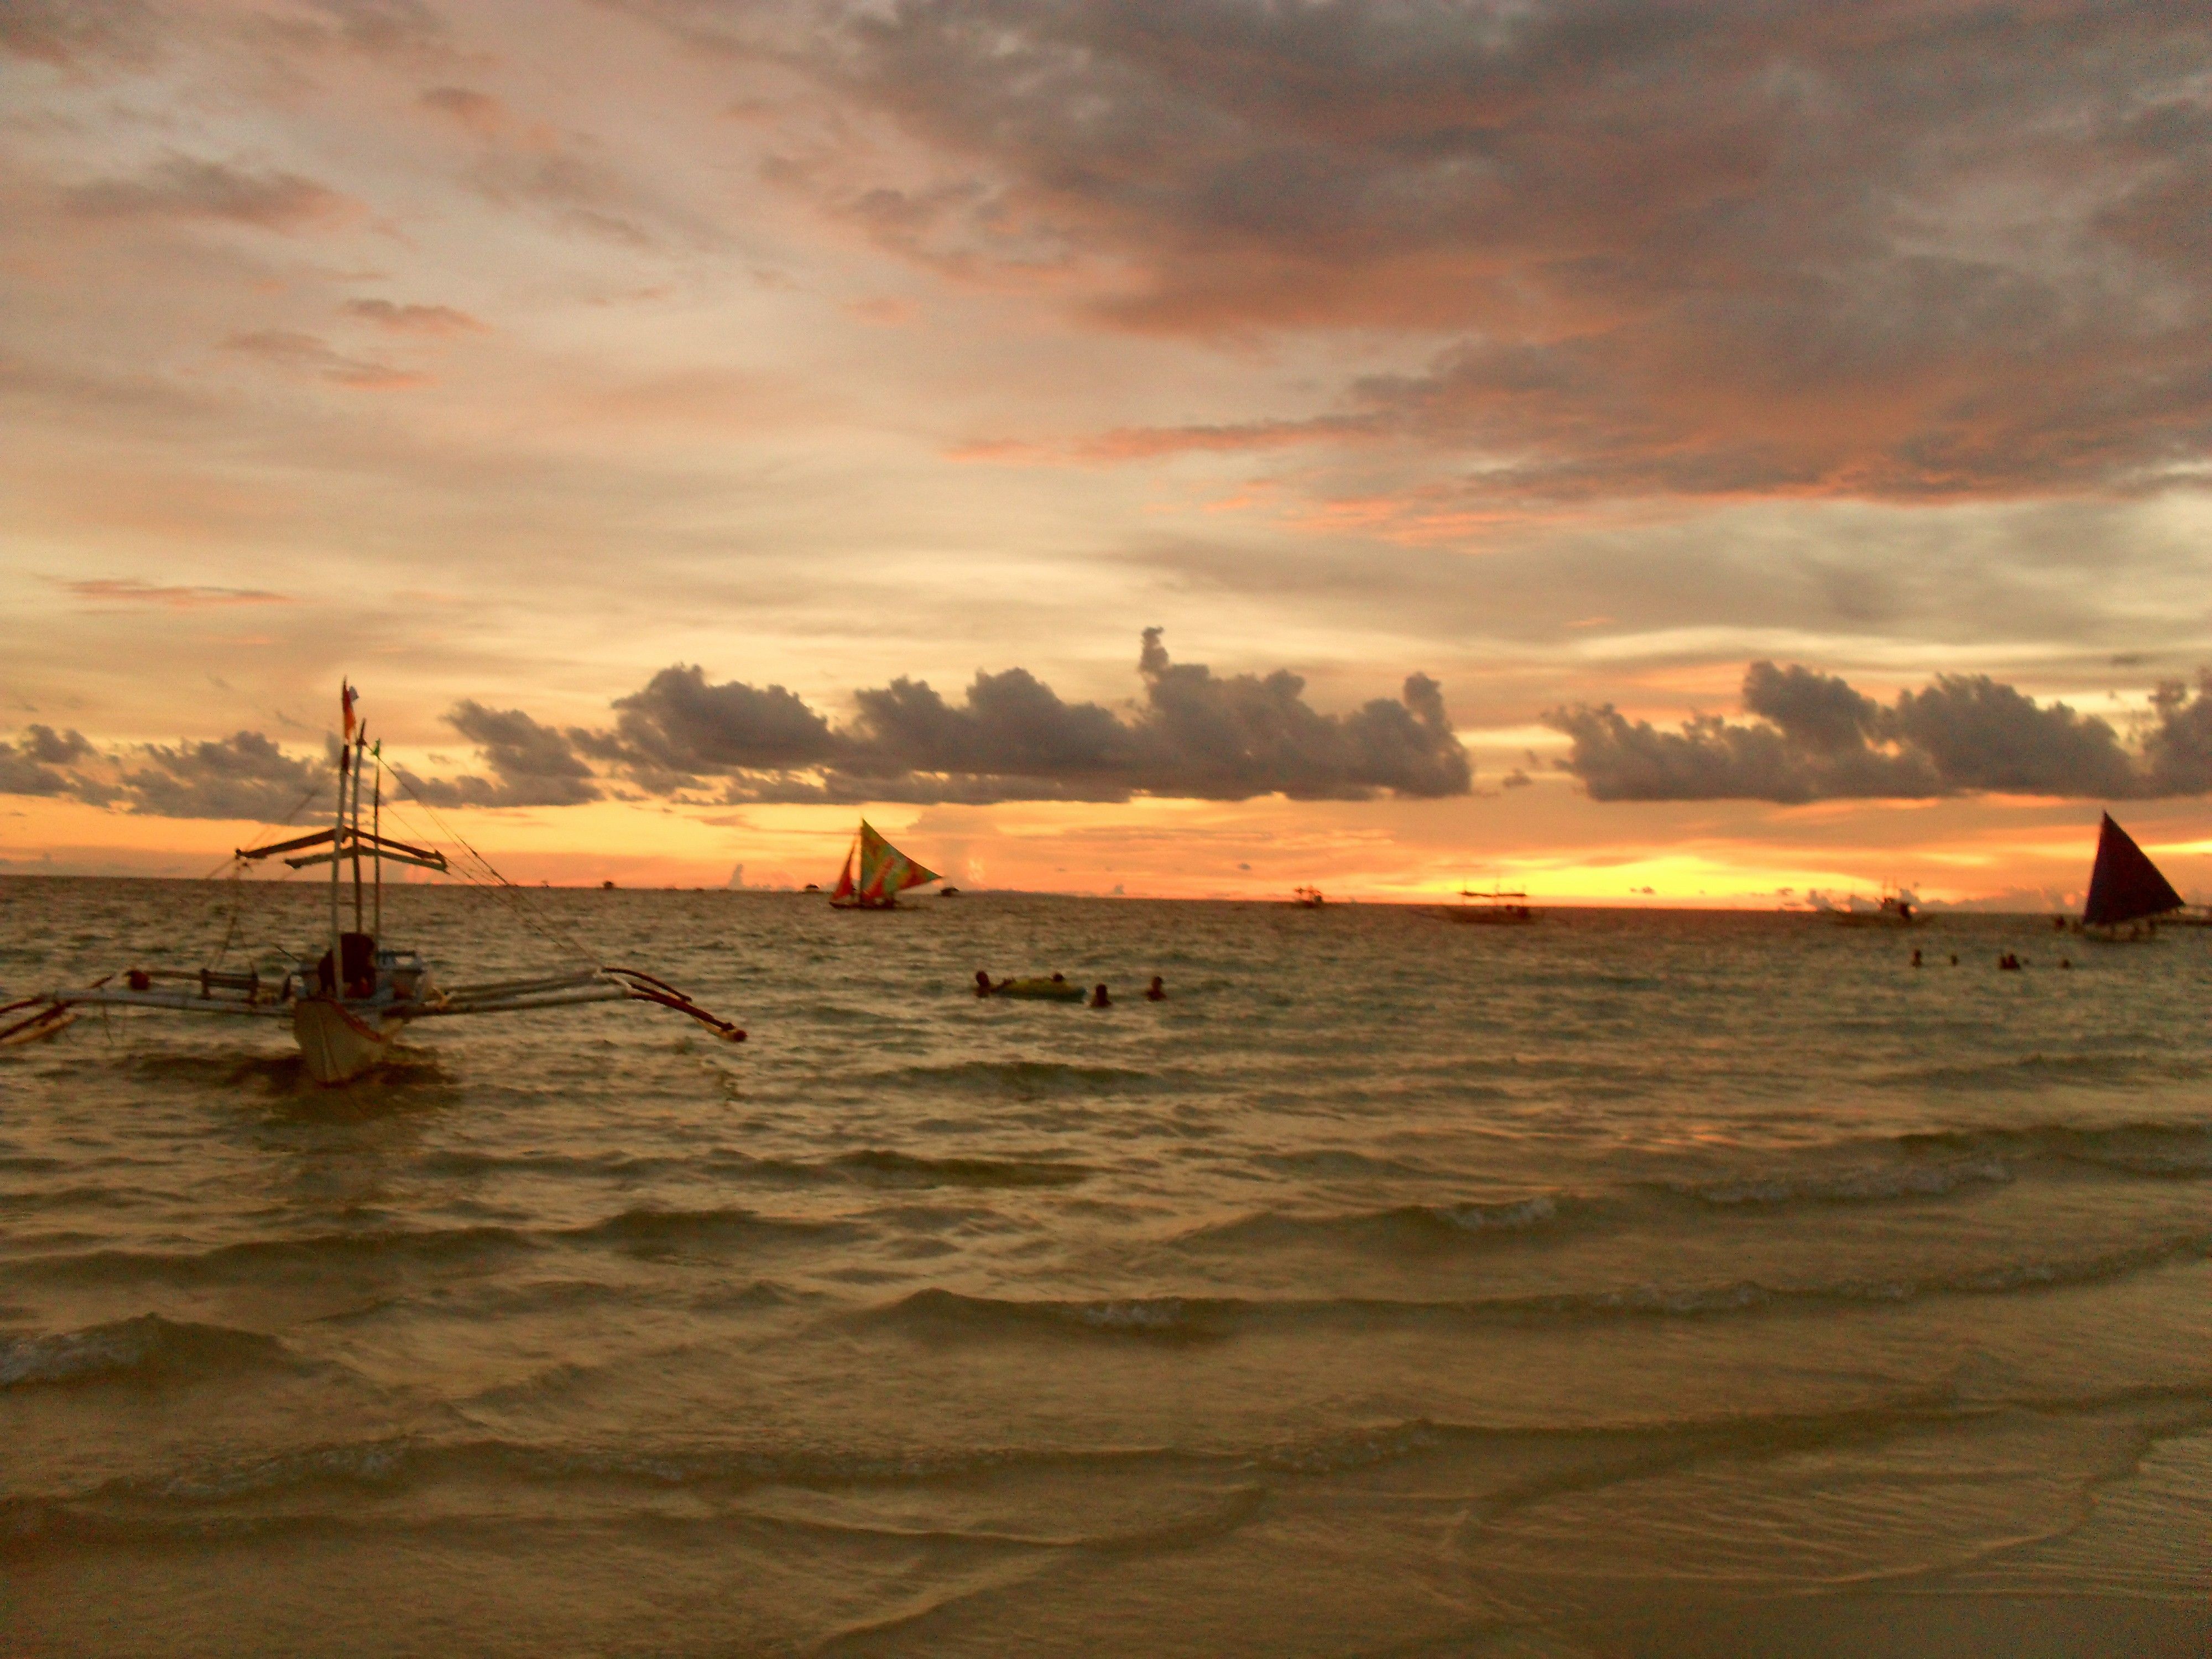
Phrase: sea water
pixel 1626 1283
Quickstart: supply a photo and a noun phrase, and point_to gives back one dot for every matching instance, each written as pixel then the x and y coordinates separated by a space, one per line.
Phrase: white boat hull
pixel 339 1044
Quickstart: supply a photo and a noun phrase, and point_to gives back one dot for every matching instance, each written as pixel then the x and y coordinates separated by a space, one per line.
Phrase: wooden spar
pixel 376 841
pixel 393 849
pixel 349 849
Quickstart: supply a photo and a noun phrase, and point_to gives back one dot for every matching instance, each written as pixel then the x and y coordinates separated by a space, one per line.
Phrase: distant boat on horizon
pixel 1496 908
pixel 1896 908
pixel 1307 898
pixel 876 873
pixel 2126 890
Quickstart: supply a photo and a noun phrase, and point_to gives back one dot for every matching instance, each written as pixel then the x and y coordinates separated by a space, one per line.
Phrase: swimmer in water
pixel 1099 999
pixel 1157 991
pixel 982 983
pixel 1916 958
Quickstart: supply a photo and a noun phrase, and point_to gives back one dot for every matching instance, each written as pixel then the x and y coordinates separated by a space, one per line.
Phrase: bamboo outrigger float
pixel 348 1009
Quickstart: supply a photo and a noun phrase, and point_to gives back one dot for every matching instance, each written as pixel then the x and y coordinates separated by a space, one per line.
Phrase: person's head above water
pixel 1060 978
pixel 1099 999
pixel 1157 989
pixel 982 983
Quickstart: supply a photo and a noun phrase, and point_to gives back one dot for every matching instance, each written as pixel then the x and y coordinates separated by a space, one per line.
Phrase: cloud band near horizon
pixel 1813 737
pixel 1195 735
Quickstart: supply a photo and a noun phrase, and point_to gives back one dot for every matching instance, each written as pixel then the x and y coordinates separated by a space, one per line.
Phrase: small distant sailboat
pixel 876 873
pixel 1307 898
pixel 2126 890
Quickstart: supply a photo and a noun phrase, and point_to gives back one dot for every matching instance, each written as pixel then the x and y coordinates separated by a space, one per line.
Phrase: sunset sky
pixel 1644 453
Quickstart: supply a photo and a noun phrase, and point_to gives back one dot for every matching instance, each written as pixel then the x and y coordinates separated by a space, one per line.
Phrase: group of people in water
pixel 1058 989
pixel 2007 963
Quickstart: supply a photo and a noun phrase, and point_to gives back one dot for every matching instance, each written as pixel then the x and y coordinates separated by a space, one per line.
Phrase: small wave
pixel 145 1347
pixel 1026 1079
pixel 648 1228
pixel 948 1313
pixel 907 1169
pixel 1334 1161
pixel 1865 1184
pixel 1171 1318
pixel 2144 1148
pixel 1409 1226
pixel 261 1258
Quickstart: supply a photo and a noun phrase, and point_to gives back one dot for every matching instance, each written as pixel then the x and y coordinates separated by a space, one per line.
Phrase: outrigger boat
pixel 347 1010
pixel 884 872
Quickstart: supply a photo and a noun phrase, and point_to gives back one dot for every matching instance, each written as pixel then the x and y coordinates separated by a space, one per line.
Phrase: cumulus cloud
pixel 1827 246
pixel 1815 737
pixel 681 726
pixel 531 764
pixel 244 776
pixel 26 765
pixel 1011 736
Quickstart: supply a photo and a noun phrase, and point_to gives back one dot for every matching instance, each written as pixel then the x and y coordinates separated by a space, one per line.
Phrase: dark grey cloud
pixel 531 764
pixel 26 765
pixel 188 187
pixel 1012 738
pixel 681 726
pixel 66 33
pixel 244 776
pixel 1842 247
pixel 1815 737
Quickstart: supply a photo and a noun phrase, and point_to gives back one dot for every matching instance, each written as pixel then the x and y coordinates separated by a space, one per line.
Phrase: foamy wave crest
pixel 1862 1185
pixel 148 1346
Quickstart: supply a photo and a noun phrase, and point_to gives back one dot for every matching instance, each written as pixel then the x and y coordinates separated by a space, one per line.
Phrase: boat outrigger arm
pixel 206 992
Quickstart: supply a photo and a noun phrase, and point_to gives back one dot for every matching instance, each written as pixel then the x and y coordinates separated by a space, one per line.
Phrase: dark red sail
pixel 2125 886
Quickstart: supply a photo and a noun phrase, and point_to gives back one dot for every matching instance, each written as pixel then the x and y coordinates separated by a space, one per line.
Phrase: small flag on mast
pixel 345 701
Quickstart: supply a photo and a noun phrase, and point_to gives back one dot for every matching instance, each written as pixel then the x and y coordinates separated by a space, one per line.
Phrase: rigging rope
pixel 498 886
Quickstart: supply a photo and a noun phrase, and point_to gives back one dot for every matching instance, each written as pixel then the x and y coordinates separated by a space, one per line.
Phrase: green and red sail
pixel 882 873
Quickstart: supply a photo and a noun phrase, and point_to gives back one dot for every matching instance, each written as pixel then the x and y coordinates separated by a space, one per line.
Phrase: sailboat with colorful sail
pixel 2127 891
pixel 876 873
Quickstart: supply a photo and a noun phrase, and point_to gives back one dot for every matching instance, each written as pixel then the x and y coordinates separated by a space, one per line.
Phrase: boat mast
pixel 338 834
pixel 360 744
pixel 376 837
